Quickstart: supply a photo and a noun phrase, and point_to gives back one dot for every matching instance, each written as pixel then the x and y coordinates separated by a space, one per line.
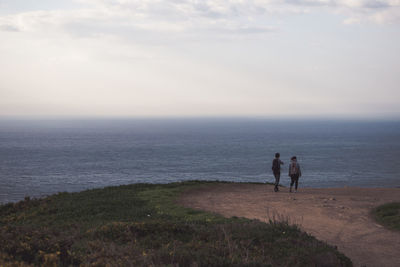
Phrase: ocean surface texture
pixel 38 158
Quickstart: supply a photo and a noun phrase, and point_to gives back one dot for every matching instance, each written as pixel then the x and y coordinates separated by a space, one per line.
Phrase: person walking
pixel 276 169
pixel 294 173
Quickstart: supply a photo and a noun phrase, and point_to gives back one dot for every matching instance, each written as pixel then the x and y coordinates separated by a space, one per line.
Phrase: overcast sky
pixel 325 58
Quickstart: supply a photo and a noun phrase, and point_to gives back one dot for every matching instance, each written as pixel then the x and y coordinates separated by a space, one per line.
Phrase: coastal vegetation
pixel 388 215
pixel 141 225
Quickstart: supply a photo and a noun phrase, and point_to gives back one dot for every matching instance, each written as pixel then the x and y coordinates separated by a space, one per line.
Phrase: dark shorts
pixel 294 177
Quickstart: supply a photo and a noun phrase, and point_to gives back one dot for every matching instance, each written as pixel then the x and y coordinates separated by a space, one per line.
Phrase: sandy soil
pixel 339 216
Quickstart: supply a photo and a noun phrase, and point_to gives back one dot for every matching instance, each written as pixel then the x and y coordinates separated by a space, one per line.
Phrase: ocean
pixel 42 157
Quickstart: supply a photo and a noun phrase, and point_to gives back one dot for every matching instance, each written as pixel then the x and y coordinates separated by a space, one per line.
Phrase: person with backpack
pixel 276 169
pixel 294 173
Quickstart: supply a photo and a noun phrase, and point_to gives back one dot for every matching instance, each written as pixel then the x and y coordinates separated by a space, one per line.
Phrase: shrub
pixel 388 215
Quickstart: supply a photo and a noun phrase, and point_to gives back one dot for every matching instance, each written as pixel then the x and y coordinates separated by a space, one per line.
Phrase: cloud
pixel 155 18
pixel 144 21
pixel 372 4
pixel 122 53
pixel 357 11
pixel 9 28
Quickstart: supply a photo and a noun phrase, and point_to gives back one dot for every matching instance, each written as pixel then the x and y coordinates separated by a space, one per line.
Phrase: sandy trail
pixel 339 216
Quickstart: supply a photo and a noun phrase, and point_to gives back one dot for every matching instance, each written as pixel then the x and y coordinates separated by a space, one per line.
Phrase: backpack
pixel 294 169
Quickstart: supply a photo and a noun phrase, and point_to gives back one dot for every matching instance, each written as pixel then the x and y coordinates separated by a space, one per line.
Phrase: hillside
pixel 140 224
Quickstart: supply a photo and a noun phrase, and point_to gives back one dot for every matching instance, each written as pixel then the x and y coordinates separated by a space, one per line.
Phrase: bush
pixel 388 215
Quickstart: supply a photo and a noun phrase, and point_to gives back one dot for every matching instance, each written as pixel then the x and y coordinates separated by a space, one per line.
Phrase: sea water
pixel 42 157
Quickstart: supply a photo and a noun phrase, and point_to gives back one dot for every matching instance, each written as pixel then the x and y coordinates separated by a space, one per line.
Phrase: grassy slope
pixel 388 215
pixel 139 225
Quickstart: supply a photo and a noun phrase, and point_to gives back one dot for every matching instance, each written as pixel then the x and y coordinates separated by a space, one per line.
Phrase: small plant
pixel 388 215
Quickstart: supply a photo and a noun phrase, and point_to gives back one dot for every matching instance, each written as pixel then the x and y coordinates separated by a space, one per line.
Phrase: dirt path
pixel 339 216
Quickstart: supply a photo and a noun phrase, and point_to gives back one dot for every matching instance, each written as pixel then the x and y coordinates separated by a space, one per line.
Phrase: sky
pixel 139 58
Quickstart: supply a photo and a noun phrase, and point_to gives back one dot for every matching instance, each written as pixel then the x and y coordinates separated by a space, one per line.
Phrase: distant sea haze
pixel 42 157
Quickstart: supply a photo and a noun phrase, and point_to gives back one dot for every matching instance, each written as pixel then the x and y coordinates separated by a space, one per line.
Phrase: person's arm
pixel 290 165
pixel 299 170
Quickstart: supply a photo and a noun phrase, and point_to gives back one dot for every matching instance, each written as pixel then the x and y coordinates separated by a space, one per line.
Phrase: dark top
pixel 276 165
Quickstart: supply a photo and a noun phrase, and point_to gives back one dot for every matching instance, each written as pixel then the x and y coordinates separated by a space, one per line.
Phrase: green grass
pixel 388 215
pixel 140 225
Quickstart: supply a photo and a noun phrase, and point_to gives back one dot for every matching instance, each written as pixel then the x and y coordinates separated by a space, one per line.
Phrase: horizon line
pixel 200 117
